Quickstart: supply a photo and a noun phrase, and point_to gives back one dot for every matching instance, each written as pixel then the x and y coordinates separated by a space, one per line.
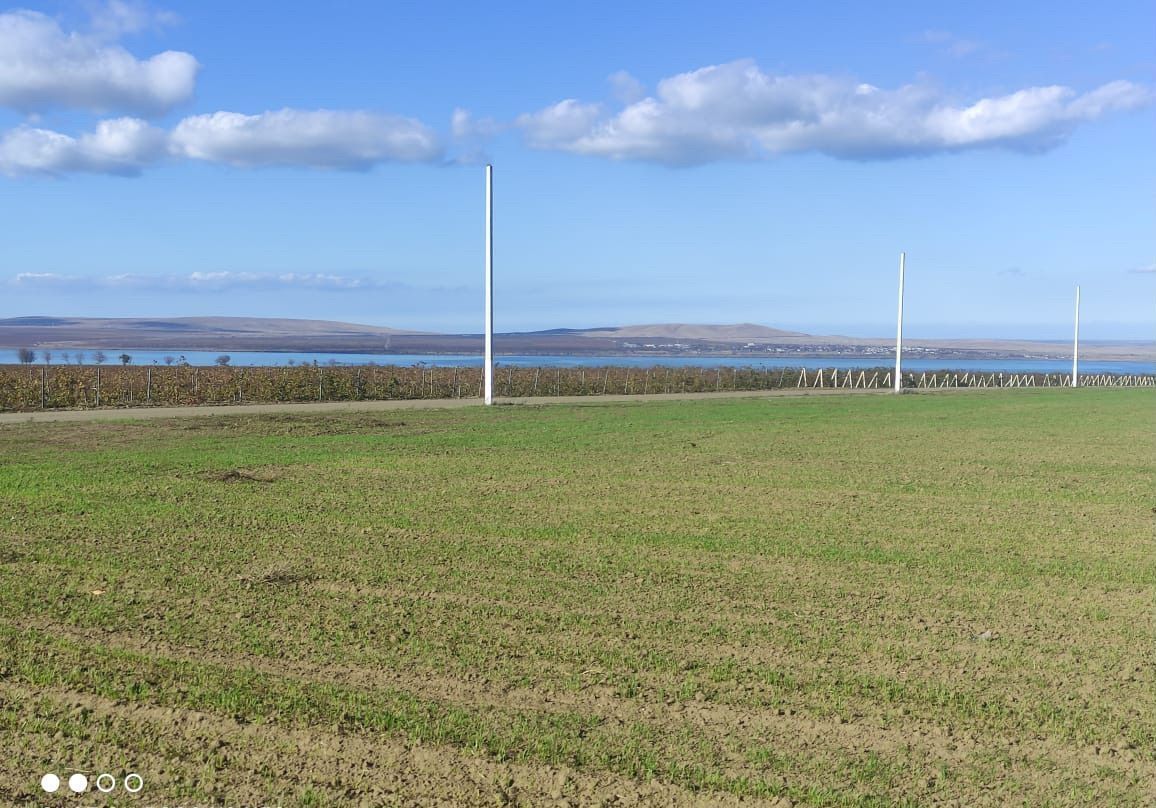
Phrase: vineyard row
pixel 25 387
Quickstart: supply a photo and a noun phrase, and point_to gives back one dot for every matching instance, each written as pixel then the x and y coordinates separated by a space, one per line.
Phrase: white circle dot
pixel 138 781
pixel 78 783
pixel 105 783
pixel 50 782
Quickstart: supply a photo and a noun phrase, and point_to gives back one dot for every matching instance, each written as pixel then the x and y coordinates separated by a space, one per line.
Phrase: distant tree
pixel 80 357
pixel 182 360
pixel 47 357
pixel 169 360
pixel 333 363
pixel 64 357
pixel 224 359
pixel 99 357
pixel 27 357
pixel 124 358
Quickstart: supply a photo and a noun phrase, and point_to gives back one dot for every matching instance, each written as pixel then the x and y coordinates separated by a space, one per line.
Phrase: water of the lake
pixel 274 358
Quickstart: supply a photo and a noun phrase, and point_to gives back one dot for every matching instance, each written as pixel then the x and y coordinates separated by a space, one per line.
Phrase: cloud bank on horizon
pixel 200 281
pixel 732 111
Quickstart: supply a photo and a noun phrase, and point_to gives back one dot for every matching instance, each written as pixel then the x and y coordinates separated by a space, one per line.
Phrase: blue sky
pixel 655 162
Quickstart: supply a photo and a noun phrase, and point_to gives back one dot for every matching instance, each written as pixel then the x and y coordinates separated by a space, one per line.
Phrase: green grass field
pixel 842 600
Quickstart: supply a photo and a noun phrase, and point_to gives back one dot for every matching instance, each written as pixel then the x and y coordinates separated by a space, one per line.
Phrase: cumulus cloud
pixel 43 67
pixel 736 111
pixel 625 87
pixel 464 125
pixel 198 281
pixel 470 135
pixel 120 146
pixel 354 140
pixel 323 139
pixel 562 125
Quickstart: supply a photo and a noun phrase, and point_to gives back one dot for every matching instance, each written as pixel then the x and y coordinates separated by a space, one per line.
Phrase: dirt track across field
pixel 310 408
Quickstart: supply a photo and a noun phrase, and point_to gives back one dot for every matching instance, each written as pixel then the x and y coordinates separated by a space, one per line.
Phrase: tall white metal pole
pixel 899 331
pixel 488 371
pixel 1076 345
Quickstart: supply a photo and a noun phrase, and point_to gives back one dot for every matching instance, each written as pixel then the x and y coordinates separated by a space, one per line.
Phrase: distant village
pixel 813 349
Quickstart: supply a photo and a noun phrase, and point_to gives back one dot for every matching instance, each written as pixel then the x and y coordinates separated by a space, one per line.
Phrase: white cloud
pixel 626 88
pixel 736 111
pixel 120 146
pixel 563 123
pixel 313 138
pixel 465 126
pixel 324 139
pixel 114 18
pixel 1150 269
pixel 199 281
pixel 43 67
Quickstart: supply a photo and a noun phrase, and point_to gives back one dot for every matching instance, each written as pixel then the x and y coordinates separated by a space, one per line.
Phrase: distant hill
pixel 194 333
pixel 229 325
pixel 324 336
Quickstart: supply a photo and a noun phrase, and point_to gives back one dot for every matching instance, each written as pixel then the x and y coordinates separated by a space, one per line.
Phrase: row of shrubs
pixel 25 387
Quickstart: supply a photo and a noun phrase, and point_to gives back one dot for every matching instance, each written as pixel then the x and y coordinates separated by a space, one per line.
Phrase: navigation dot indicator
pixel 133 783
pixel 105 783
pixel 78 783
pixel 50 782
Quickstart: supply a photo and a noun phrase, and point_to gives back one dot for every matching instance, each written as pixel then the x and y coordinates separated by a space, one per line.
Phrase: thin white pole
pixel 1076 344
pixel 488 372
pixel 899 331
